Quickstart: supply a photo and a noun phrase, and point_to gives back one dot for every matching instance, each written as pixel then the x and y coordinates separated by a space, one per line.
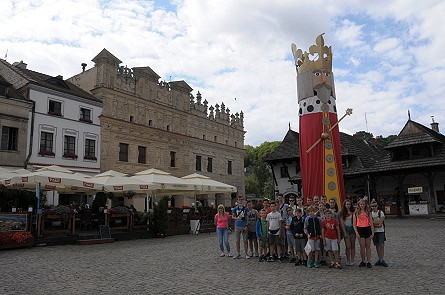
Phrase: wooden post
pixel 74 224
pixel 40 225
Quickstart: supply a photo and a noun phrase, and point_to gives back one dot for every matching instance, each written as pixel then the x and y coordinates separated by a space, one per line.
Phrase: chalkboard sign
pixel 104 231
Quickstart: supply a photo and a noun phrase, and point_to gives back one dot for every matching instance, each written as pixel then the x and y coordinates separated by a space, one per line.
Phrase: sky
pixel 387 55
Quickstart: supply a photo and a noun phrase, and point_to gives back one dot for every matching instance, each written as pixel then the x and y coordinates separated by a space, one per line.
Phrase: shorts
pixel 331 244
pixel 251 235
pixel 379 238
pixel 364 232
pixel 315 244
pixel 264 243
pixel 239 230
pixel 349 230
pixel 290 240
pixel 274 239
pixel 300 244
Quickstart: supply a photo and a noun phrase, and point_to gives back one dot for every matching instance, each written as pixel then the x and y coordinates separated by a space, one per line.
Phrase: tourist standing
pixel 331 238
pixel 261 233
pixel 222 229
pixel 378 218
pixel 239 214
pixel 348 230
pixel 312 228
pixel 274 233
pixel 252 216
pixel 364 230
pixel 297 228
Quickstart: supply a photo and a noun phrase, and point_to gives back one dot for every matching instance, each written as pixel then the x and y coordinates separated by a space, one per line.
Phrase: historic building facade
pixel 407 175
pixel 64 126
pixel 15 111
pixel 151 124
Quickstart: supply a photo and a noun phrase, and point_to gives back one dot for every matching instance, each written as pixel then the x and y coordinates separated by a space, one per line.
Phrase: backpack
pixel 379 214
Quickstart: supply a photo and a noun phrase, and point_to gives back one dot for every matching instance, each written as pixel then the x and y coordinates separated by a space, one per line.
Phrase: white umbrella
pixel 116 182
pixel 164 182
pixel 51 178
pixel 206 185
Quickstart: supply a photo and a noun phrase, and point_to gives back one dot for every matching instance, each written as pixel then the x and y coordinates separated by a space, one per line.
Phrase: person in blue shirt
pixel 239 214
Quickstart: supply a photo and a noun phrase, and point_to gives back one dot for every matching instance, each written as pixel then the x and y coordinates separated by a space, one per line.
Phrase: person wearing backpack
pixel 239 213
pixel 378 218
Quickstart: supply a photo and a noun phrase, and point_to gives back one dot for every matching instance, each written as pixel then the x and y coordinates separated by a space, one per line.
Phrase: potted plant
pixel 16 239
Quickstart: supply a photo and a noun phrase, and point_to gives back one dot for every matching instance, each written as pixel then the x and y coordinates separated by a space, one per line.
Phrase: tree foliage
pixel 258 178
pixel 160 221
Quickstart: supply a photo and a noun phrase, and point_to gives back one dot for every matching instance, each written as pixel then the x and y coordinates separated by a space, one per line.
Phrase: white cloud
pixel 349 34
pixel 229 49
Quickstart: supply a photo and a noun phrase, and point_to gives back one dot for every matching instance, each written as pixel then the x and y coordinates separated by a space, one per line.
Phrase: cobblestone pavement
pixel 190 264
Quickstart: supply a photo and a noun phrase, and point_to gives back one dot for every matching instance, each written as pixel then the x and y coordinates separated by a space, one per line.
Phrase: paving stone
pixel 190 264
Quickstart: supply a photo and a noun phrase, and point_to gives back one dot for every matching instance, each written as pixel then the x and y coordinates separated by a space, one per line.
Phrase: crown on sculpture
pixel 321 56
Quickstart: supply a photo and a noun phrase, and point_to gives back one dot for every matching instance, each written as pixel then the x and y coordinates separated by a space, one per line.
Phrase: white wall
pixel 67 124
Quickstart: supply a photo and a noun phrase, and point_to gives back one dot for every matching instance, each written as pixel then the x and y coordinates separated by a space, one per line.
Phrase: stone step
pixel 95 241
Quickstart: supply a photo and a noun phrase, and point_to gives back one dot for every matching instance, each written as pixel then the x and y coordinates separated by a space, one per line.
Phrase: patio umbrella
pixel 116 182
pixel 51 178
pixel 164 182
pixel 206 185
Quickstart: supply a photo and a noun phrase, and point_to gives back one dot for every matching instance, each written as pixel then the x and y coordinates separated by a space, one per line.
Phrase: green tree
pixel 259 176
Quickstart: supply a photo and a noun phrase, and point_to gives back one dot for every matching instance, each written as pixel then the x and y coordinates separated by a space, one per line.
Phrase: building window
pixel 284 172
pixel 90 149
pixel 210 165
pixel 46 144
pixel 69 148
pixel 150 122
pixel 9 138
pixel 131 119
pixel 172 159
pixel 198 163
pixel 168 127
pixel 142 154
pixel 123 152
pixel 227 141
pixel 214 138
pixel 85 115
pixel 204 136
pixel 55 108
pixel 4 90
pixel 236 144
pixel 229 167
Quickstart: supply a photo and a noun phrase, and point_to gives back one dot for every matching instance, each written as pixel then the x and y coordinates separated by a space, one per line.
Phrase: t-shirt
pixel 222 222
pixel 330 228
pixel 264 227
pixel 289 221
pixel 283 210
pixel 252 216
pixel 376 218
pixel 240 212
pixel 335 214
pixel 274 219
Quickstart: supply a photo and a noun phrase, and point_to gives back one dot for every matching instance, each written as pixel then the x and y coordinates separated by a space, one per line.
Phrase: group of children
pixel 304 233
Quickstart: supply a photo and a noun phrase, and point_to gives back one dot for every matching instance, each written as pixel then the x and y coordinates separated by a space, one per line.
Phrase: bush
pixel 160 222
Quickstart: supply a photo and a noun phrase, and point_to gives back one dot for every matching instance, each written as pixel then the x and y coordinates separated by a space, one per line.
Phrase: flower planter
pixel 13 244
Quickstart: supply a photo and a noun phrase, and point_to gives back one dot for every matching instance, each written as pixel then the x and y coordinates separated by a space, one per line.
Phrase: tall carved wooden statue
pixel 320 151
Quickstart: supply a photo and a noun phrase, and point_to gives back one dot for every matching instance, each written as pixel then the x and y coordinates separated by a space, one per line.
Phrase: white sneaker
pixel 222 254
pixel 247 256
pixel 256 255
pixel 237 256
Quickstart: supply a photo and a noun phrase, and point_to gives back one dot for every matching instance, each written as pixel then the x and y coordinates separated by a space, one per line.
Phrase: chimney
pixel 84 65
pixel 434 125
pixel 20 65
